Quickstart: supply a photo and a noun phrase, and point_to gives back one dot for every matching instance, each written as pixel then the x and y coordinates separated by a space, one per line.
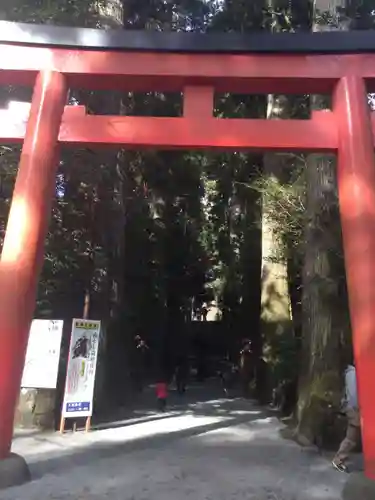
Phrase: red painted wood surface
pixel 356 184
pixel 261 74
pixel 198 102
pixel 317 134
pixel 23 249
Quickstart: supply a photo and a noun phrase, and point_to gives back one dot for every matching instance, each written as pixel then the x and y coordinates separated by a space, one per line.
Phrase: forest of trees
pixel 142 240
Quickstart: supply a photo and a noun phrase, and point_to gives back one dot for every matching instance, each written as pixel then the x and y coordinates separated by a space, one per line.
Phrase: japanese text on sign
pixel 80 379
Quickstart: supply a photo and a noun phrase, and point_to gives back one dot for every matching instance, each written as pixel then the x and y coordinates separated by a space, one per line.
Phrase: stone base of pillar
pixel 36 409
pixel 360 487
pixel 13 471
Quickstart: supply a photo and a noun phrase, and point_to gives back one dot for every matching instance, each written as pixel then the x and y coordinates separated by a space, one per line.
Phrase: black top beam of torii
pixel 337 42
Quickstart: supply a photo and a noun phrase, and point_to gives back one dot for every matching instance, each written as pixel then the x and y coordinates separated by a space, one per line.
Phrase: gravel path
pixel 217 450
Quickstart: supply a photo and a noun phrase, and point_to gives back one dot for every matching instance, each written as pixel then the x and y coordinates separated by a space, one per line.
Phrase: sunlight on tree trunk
pixel 276 318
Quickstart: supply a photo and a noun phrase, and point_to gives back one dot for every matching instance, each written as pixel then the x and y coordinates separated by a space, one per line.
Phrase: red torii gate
pixel 54 59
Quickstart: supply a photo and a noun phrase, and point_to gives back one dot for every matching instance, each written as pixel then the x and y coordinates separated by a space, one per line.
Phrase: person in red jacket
pixel 161 395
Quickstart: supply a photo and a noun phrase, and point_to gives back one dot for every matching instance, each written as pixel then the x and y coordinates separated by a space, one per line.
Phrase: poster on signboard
pixel 43 354
pixel 80 377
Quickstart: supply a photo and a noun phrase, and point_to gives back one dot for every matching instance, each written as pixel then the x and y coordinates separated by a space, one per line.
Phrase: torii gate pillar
pixel 23 248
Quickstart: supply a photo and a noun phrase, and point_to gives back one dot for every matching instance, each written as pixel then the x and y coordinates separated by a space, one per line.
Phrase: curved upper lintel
pixel 225 43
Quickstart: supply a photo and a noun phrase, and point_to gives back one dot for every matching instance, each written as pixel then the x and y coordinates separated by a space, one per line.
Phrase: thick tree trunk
pixel 320 370
pixel 250 257
pixel 275 302
pixel 320 376
pixel 276 320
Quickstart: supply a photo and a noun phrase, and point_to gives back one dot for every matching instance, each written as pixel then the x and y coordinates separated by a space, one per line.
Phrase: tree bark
pixel 320 361
pixel 320 370
pixel 276 320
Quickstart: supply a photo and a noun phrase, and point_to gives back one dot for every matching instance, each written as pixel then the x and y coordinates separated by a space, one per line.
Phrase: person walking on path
pixel 246 367
pixel 161 395
pixel 354 425
pixel 163 378
pixel 141 355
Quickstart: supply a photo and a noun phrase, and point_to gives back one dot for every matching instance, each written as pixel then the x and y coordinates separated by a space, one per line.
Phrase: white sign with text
pixel 80 377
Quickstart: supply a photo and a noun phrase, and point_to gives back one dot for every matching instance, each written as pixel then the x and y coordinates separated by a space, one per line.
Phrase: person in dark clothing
pixel 246 366
pixel 351 408
pixel 141 355
pixel 227 375
pixel 181 374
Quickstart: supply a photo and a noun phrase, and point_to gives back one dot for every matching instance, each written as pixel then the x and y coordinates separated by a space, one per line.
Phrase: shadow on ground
pixel 204 448
pixel 151 432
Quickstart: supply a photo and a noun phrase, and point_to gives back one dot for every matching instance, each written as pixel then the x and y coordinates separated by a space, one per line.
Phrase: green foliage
pixel 60 12
pixel 286 207
pixel 354 14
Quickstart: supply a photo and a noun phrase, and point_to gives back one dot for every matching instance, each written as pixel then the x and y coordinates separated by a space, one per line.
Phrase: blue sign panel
pixel 77 407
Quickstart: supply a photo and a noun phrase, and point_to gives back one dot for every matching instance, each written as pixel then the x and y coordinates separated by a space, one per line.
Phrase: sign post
pixel 81 369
